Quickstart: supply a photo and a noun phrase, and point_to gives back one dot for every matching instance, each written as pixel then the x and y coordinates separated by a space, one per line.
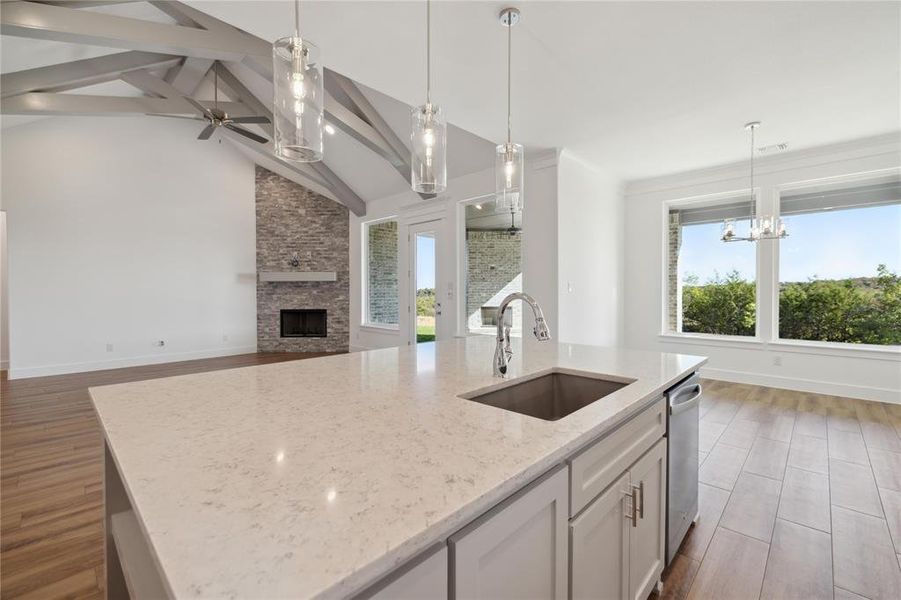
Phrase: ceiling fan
pixel 215 117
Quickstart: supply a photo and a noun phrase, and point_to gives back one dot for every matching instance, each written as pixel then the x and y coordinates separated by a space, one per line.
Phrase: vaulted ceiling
pixel 131 58
pixel 637 88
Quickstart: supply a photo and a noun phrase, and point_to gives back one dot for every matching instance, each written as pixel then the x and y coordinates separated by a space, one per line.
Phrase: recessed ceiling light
pixel 329 129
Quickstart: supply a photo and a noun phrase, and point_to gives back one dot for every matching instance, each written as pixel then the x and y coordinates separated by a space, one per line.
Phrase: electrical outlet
pixel 224 337
pixel 109 347
pixel 777 361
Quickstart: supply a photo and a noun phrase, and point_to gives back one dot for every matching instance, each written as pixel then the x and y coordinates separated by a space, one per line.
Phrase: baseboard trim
pixel 805 385
pixel 132 361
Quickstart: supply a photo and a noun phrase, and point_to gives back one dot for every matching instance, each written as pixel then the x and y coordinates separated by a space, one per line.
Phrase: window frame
pixel 665 332
pixel 793 345
pixel 767 277
pixel 366 321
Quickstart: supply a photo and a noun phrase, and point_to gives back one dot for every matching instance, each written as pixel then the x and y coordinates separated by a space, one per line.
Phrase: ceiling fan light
pixel 298 100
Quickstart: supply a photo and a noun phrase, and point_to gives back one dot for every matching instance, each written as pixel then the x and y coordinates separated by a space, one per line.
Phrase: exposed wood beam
pixel 348 197
pixel 375 119
pixel 342 192
pixel 80 73
pixel 37 103
pixel 300 173
pixel 346 120
pixel 399 155
pixel 84 3
pixel 45 21
pixel 242 94
pixel 151 84
pixel 188 75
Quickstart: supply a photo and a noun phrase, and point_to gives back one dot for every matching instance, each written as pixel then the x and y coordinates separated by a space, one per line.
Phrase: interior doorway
pixel 425 306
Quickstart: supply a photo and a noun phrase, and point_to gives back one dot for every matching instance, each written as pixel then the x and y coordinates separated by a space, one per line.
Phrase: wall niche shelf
pixel 278 276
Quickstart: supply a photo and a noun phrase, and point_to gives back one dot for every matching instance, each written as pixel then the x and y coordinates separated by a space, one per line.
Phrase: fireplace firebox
pixel 304 322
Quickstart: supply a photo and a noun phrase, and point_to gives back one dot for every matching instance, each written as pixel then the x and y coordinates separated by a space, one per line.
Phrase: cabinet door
pixel 646 544
pixel 425 579
pixel 519 550
pixel 599 539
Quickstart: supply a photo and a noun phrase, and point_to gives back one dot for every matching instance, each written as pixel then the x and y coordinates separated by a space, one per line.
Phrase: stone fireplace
pixel 301 232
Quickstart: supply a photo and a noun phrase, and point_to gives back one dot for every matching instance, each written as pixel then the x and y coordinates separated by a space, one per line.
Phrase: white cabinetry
pixel 618 540
pixel 425 579
pixel 519 549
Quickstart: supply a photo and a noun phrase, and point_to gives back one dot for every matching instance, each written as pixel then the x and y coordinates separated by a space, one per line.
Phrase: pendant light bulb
pixel 509 156
pixel 298 99
pixel 428 133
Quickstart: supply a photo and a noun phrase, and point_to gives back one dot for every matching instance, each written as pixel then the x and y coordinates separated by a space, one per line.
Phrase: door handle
pixel 677 407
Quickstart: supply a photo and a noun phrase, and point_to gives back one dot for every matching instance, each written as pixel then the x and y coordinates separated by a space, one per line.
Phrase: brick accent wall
pixel 494 269
pixel 289 219
pixel 672 270
pixel 382 268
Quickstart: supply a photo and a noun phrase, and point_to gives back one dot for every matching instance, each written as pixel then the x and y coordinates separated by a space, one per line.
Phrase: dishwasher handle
pixel 685 398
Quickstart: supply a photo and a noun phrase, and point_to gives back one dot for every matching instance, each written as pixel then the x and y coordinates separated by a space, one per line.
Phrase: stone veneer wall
pixel 291 218
pixel 493 265
pixel 672 270
pixel 382 271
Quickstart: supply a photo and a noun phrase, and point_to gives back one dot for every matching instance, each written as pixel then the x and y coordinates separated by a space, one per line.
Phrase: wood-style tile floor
pixel 800 497
pixel 51 465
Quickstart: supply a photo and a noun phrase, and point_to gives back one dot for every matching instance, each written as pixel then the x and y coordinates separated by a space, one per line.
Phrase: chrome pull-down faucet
pixel 503 352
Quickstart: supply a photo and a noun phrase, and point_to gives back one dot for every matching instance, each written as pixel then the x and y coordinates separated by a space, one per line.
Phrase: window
pixel 711 285
pixel 840 267
pixel 493 259
pixel 381 305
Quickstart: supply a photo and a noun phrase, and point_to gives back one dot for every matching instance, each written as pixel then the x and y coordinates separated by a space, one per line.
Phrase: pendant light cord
pixel 428 52
pixel 753 199
pixel 297 18
pixel 509 77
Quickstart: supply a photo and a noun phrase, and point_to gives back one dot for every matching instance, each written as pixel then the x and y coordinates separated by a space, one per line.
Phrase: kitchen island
pixel 320 477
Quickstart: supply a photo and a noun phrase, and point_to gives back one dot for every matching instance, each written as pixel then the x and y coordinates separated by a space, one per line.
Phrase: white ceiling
pixel 638 88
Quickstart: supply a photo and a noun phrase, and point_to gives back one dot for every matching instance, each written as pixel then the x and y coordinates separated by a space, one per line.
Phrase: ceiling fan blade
pixel 207 132
pixel 260 120
pixel 176 117
pixel 203 109
pixel 247 134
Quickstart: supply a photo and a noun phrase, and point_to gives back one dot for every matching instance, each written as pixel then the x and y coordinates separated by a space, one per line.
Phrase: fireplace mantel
pixel 276 276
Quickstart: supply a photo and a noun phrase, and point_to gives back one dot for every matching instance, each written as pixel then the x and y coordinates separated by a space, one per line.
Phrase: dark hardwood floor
pixel 51 465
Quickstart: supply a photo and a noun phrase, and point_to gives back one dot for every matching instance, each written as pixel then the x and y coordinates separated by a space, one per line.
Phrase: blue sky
pixel 826 245
pixel 425 262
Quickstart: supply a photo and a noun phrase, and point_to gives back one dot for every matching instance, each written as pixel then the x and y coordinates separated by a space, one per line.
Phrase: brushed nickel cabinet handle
pixel 633 508
pixel 641 499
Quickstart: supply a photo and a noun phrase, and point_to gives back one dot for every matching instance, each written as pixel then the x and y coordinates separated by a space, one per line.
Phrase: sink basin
pixel 549 397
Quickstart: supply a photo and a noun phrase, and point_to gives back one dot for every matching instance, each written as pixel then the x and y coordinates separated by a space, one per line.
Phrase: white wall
pixel 846 371
pixel 590 253
pixel 539 249
pixel 125 231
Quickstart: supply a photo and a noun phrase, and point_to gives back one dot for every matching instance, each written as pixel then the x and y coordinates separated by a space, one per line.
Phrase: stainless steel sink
pixel 549 397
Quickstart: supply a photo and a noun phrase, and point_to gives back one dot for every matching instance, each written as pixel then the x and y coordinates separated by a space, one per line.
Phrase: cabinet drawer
pixel 599 465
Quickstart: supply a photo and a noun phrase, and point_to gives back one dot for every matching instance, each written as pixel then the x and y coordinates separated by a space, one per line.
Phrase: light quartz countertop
pixel 317 477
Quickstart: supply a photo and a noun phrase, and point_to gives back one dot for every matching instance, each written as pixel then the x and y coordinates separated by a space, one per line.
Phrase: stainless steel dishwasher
pixel 682 461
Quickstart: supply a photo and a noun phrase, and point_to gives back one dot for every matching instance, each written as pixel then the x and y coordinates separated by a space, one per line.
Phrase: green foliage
pixel 856 311
pixel 425 302
pixel 724 306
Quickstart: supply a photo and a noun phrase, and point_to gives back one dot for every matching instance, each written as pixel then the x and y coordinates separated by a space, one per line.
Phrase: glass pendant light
pixel 766 227
pixel 299 95
pixel 428 133
pixel 509 156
